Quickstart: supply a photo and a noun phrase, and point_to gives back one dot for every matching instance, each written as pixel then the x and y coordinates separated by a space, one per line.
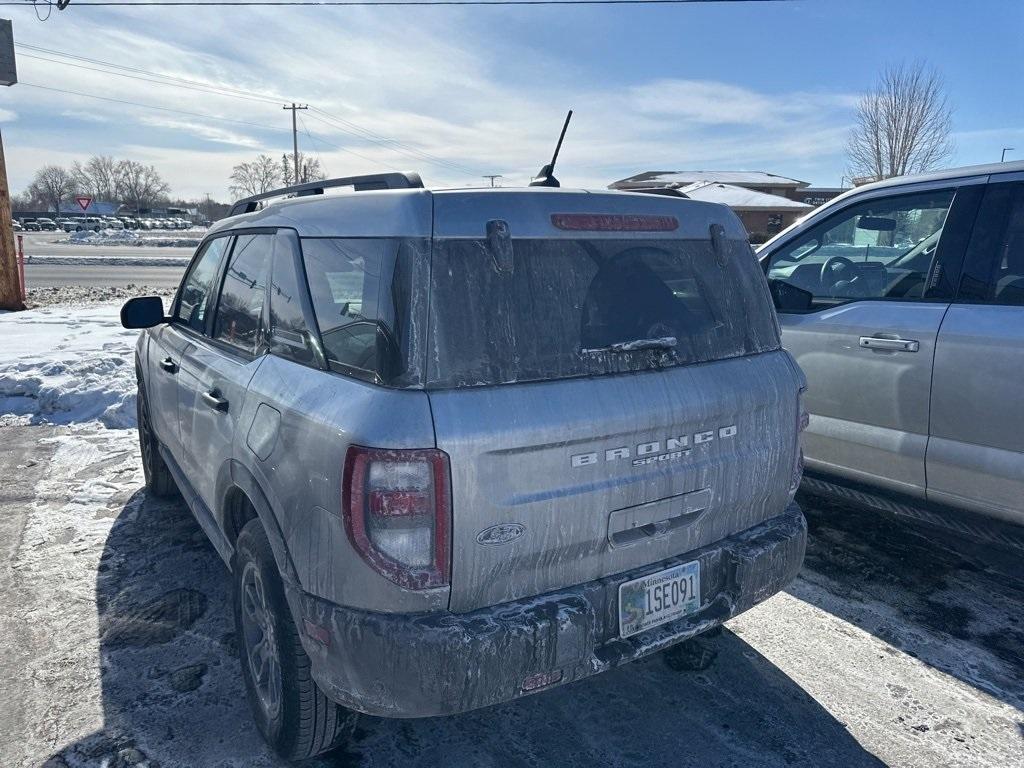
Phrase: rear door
pixel 216 369
pixel 881 271
pixel 572 458
pixel 976 451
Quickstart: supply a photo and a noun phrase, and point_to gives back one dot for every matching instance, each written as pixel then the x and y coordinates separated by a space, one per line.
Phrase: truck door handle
pixel 168 365
pixel 890 344
pixel 215 401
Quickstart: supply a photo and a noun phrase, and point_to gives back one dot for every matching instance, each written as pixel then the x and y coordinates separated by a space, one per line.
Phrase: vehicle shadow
pixel 172 693
pixel 947 601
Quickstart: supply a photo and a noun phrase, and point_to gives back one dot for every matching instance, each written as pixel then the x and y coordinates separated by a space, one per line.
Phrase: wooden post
pixel 10 282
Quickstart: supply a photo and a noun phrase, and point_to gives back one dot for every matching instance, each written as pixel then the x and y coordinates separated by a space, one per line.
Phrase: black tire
pixel 159 480
pixel 304 723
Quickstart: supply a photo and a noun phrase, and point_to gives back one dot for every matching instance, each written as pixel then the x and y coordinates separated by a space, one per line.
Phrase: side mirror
pixel 789 298
pixel 143 312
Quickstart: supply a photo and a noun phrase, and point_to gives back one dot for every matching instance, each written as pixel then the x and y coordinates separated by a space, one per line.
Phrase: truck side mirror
pixel 143 312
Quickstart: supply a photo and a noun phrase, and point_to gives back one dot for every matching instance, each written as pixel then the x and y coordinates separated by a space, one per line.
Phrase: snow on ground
pixel 134 237
pixel 109 260
pixel 64 365
pixel 117 647
pixel 78 295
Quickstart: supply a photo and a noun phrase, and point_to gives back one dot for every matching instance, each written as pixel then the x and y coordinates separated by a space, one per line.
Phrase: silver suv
pixel 903 302
pixel 460 446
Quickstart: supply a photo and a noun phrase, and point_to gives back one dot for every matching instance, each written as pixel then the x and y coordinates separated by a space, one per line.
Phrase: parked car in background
pixel 129 222
pixel 16 225
pixel 594 459
pixel 111 222
pixel 903 301
pixel 70 225
pixel 46 224
pixel 31 225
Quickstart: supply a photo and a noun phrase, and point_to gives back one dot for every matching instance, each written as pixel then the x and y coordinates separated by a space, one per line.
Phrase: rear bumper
pixel 420 665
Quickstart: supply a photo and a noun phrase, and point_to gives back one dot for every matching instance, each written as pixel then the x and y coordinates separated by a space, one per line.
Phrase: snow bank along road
pixel 117 649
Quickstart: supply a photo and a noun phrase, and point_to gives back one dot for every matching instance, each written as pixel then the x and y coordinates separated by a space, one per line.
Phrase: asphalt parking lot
pixel 892 648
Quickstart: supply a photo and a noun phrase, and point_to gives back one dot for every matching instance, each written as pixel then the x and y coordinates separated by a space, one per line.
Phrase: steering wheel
pixel 835 269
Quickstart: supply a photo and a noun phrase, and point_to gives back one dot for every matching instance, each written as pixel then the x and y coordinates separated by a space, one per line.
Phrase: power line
pixel 391 144
pixel 338 123
pixel 153 106
pixel 184 82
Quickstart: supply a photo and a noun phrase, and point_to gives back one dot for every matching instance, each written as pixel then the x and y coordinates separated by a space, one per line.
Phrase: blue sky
pixel 741 86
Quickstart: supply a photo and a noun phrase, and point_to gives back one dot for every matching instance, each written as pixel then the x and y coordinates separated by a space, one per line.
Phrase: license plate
pixel 663 596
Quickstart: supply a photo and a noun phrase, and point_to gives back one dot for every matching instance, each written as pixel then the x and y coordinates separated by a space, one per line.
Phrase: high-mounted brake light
pixel 614 222
pixel 397 510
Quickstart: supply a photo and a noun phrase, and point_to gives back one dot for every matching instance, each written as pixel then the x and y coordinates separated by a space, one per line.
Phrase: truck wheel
pixel 159 480
pixel 292 713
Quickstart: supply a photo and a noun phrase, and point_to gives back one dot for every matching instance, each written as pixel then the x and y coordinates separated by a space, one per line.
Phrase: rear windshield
pixel 589 307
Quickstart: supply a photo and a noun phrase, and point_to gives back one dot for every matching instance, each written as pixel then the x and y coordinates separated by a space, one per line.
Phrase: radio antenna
pixel 546 177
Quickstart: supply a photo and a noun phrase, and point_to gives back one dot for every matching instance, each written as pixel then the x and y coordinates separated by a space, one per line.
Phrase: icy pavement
pixel 117 648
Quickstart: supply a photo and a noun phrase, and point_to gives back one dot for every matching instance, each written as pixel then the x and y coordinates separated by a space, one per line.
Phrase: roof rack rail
pixel 393 180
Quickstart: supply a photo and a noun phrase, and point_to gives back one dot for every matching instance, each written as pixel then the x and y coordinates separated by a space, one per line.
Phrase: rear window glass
pixel 589 307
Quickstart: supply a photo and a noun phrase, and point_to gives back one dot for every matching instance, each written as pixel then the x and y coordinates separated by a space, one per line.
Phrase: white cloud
pixel 7 116
pixel 202 131
pixel 84 115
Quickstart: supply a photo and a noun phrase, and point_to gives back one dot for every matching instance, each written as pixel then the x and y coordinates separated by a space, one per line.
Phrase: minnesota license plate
pixel 660 597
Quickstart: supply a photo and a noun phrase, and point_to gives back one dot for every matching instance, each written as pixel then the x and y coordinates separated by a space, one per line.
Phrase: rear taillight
pixel 397 510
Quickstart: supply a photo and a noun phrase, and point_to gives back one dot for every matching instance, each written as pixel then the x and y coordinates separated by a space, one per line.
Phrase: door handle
pixel 890 344
pixel 215 401
pixel 168 365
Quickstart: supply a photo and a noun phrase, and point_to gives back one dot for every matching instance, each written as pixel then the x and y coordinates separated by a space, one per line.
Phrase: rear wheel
pixel 292 713
pixel 159 480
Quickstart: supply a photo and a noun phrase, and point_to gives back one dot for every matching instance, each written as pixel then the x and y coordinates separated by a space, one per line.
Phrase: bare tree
pixel 140 184
pixel 903 124
pixel 99 177
pixel 254 178
pixel 52 185
pixel 309 169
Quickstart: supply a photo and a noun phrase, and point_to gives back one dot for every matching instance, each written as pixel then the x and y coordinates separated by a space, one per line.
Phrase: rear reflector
pixel 614 222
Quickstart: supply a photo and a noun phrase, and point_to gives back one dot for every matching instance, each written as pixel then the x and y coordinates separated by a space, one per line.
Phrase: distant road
pixel 49 275
pixel 100 275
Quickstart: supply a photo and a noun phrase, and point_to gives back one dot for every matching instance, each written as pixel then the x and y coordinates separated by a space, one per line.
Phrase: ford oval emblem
pixel 500 534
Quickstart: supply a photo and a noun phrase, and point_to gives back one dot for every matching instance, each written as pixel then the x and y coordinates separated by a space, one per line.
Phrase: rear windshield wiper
pixel 664 342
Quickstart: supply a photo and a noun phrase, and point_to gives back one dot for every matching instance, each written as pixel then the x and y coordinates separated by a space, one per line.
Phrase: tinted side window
pixel 880 248
pixel 288 330
pixel 994 265
pixel 240 308
pixel 197 288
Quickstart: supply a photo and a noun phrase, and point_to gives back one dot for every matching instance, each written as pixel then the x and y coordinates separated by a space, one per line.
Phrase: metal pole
pixel 295 137
pixel 21 268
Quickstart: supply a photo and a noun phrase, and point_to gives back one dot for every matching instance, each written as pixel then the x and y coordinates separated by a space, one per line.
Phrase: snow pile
pixel 131 237
pixel 103 237
pixel 62 365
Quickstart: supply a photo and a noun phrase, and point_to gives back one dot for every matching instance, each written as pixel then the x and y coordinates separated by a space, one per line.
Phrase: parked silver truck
pixel 460 446
pixel 903 301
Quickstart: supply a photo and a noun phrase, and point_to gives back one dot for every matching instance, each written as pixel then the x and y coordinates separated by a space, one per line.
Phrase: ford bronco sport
pixel 461 446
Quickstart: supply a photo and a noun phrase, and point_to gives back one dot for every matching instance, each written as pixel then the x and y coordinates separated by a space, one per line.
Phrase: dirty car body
pixel 499 439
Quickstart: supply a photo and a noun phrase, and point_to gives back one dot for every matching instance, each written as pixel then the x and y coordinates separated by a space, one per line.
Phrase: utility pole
pixel 492 177
pixel 1002 158
pixel 295 135
pixel 10 280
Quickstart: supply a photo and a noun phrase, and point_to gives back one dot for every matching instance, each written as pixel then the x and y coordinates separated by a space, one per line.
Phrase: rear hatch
pixel 606 378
